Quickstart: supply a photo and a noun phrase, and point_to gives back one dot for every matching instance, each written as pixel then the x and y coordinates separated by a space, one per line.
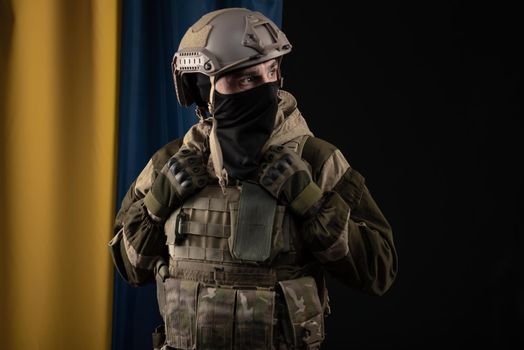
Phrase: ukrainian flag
pixel 86 97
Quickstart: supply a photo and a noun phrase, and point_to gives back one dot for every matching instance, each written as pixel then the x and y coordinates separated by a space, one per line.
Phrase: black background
pixel 425 100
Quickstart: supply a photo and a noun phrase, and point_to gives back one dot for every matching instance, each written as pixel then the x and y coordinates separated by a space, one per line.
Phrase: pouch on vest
pixel 215 317
pixel 254 319
pixel 303 312
pixel 252 227
pixel 227 318
pixel 181 310
pixel 237 319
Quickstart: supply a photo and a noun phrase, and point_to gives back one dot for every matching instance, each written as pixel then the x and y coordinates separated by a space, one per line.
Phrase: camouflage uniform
pixel 211 294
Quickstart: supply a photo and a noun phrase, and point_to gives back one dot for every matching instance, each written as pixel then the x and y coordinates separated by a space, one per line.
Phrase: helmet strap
pixel 214 145
pixel 210 104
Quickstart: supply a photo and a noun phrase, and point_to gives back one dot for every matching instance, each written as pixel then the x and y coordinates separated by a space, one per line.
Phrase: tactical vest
pixel 237 276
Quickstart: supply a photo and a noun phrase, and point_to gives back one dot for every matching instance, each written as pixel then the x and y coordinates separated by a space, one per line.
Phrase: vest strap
pixel 234 276
pixel 204 229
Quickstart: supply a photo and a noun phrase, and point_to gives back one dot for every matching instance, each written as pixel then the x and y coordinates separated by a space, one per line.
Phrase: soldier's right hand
pixel 184 174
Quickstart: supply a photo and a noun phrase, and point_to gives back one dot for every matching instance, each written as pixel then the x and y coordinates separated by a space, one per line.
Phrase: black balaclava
pixel 244 122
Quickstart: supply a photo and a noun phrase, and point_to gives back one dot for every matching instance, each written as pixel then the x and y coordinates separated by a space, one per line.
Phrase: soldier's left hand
pixel 286 176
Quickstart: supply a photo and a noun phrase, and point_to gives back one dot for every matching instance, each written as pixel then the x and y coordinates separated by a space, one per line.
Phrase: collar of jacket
pixel 289 125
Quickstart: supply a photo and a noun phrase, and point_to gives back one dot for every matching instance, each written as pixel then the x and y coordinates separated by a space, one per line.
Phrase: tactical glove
pixel 183 175
pixel 286 176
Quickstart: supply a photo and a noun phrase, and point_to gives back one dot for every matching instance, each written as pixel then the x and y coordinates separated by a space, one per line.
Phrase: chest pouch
pixel 251 230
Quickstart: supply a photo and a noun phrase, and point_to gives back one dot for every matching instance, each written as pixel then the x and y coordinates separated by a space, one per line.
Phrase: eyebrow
pixel 251 70
pixel 273 65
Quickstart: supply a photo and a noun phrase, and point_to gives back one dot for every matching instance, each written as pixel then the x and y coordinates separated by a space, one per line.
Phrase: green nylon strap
pixel 306 199
pixel 256 213
pixel 232 275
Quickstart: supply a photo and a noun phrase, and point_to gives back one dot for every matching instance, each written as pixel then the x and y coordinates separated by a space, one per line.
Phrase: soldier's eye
pixel 248 79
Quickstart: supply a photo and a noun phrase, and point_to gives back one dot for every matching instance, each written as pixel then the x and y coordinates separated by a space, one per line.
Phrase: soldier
pixel 238 221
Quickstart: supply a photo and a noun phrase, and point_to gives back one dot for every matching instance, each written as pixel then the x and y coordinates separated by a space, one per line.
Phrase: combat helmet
pixel 222 41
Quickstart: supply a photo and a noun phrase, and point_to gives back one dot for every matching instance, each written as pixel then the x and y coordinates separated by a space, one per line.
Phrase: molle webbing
pixel 242 276
pixel 204 229
pixel 204 253
pixel 207 203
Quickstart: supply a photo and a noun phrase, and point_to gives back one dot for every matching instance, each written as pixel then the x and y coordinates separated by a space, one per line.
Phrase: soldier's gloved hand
pixel 183 175
pixel 286 176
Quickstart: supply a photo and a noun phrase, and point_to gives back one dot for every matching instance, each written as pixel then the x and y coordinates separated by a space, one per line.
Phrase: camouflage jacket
pixel 349 238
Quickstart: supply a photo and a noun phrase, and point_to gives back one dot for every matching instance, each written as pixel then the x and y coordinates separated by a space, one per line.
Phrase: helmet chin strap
pixel 214 145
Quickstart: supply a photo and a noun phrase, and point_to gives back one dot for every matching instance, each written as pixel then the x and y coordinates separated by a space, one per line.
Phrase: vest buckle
pixel 179 231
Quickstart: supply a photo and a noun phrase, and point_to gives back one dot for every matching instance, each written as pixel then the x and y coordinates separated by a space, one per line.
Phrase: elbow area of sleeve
pixel 143 238
pixel 118 255
pixel 373 257
pixel 326 233
pixel 130 274
pixel 369 265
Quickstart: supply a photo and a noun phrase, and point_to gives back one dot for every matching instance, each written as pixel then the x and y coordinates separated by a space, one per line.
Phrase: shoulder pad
pixel 163 154
pixel 316 151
